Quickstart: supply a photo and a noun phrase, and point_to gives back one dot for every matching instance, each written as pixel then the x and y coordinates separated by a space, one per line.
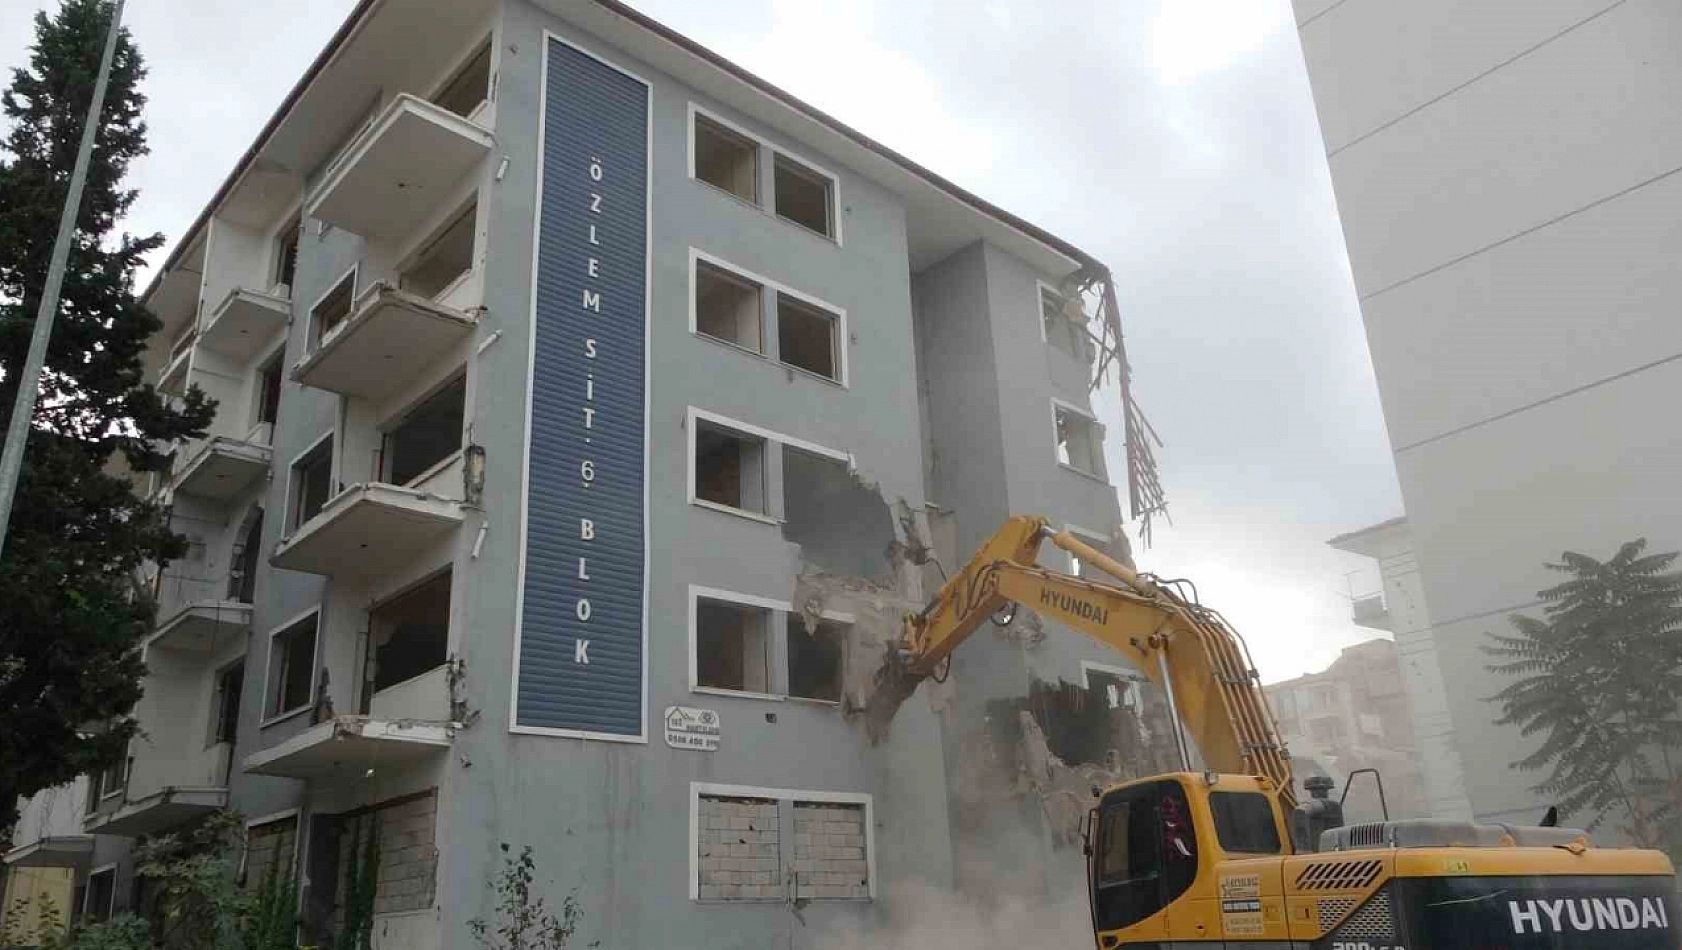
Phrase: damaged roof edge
pixel 366 7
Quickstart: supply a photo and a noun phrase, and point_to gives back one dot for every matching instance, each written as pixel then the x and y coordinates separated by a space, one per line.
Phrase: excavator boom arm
pixel 1186 649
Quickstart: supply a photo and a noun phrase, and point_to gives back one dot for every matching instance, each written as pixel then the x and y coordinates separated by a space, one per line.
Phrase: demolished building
pixel 590 412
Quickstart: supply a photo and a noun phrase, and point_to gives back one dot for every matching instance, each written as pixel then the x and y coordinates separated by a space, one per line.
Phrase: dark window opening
pixel 286 256
pixel 1244 822
pixel 292 667
pixel 312 483
pixel 242 581
pixel 229 684
pixel 814 659
pixel 411 633
pixel 1147 853
pixel 727 307
pixel 469 87
pixel 804 196
pixel 732 646
pixel 268 389
pixel 427 435
pixel 101 896
pixel 729 468
pixel 111 780
pixel 445 260
pixel 807 337
pixel 726 159
pixel 333 310
pixel 1065 325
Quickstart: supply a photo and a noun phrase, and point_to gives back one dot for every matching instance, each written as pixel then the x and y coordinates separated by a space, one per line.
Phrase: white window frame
pixel 779 289
pixel 287 528
pixel 354 275
pixel 698 592
pixel 267 720
pixel 408 585
pixel 1097 432
pixel 1085 534
pixel 771 438
pixel 780 796
pixel 293 219
pixel 87 891
pixel 767 203
pixel 396 417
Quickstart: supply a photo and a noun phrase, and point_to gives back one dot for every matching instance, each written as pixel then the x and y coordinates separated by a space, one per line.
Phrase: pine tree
pixel 71 619
pixel 1600 680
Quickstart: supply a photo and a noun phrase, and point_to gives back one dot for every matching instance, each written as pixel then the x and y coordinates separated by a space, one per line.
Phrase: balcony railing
pixel 396 175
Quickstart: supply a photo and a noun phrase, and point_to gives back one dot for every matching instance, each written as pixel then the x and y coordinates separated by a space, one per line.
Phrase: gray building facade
pixel 589 410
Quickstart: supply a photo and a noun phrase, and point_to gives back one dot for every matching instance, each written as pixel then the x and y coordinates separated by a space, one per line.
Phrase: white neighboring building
pixel 1400 610
pixel 1507 177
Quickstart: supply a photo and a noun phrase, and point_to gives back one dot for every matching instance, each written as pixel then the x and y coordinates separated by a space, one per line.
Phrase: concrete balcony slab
pixel 396 174
pixel 55 851
pixel 160 811
pixel 349 746
pixel 244 323
pixel 202 627
pixel 367 530
pixel 223 468
pixel 391 337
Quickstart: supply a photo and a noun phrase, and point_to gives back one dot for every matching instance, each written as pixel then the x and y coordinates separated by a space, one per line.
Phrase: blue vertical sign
pixel 579 662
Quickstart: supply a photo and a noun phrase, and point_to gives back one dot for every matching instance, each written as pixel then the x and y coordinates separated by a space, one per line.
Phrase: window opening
pixel 445 260
pixel 803 196
pixel 229 684
pixel 842 527
pixel 1077 441
pixel 101 896
pixel 727 307
pixel 268 389
pixel 814 659
pixel 333 310
pixel 807 337
pixel 286 257
pixel 292 666
pixel 410 633
pixel 242 581
pixel 430 433
pixel 312 483
pixel 726 159
pixel 729 468
pixel 1065 324
pixel 469 87
pixel 732 646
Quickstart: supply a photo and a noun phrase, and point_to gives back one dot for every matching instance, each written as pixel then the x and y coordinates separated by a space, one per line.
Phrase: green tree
pixel 70 615
pixel 1599 679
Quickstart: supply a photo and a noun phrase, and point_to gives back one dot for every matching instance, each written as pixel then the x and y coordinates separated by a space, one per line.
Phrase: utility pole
pixel 29 379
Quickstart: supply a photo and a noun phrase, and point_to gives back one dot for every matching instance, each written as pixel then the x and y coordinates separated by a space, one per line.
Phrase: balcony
pixel 397 173
pixel 202 627
pixel 53 851
pixel 223 468
pixel 367 530
pixel 352 747
pixel 391 337
pixel 172 380
pixel 161 810
pixel 1370 611
pixel 244 323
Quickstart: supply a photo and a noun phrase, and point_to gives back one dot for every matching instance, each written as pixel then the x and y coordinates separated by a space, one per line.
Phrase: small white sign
pixel 691 728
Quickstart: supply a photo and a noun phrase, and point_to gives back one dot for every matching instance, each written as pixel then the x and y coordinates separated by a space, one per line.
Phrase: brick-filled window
pixel 830 861
pixel 770 844
pixel 738 850
pixel 271 848
pixel 404 833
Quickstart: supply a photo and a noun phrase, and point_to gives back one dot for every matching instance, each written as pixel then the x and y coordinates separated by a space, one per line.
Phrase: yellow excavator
pixel 1228 856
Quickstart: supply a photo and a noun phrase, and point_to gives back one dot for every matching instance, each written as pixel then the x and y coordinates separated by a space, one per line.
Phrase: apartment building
pixel 1507 180
pixel 582 401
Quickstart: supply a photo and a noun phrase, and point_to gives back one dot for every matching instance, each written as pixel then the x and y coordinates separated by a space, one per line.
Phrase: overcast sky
pixel 1175 139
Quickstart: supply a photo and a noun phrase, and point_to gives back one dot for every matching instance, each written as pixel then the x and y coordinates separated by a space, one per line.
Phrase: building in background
pixel 1507 177
pixel 580 396
pixel 1354 715
pixel 1397 607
